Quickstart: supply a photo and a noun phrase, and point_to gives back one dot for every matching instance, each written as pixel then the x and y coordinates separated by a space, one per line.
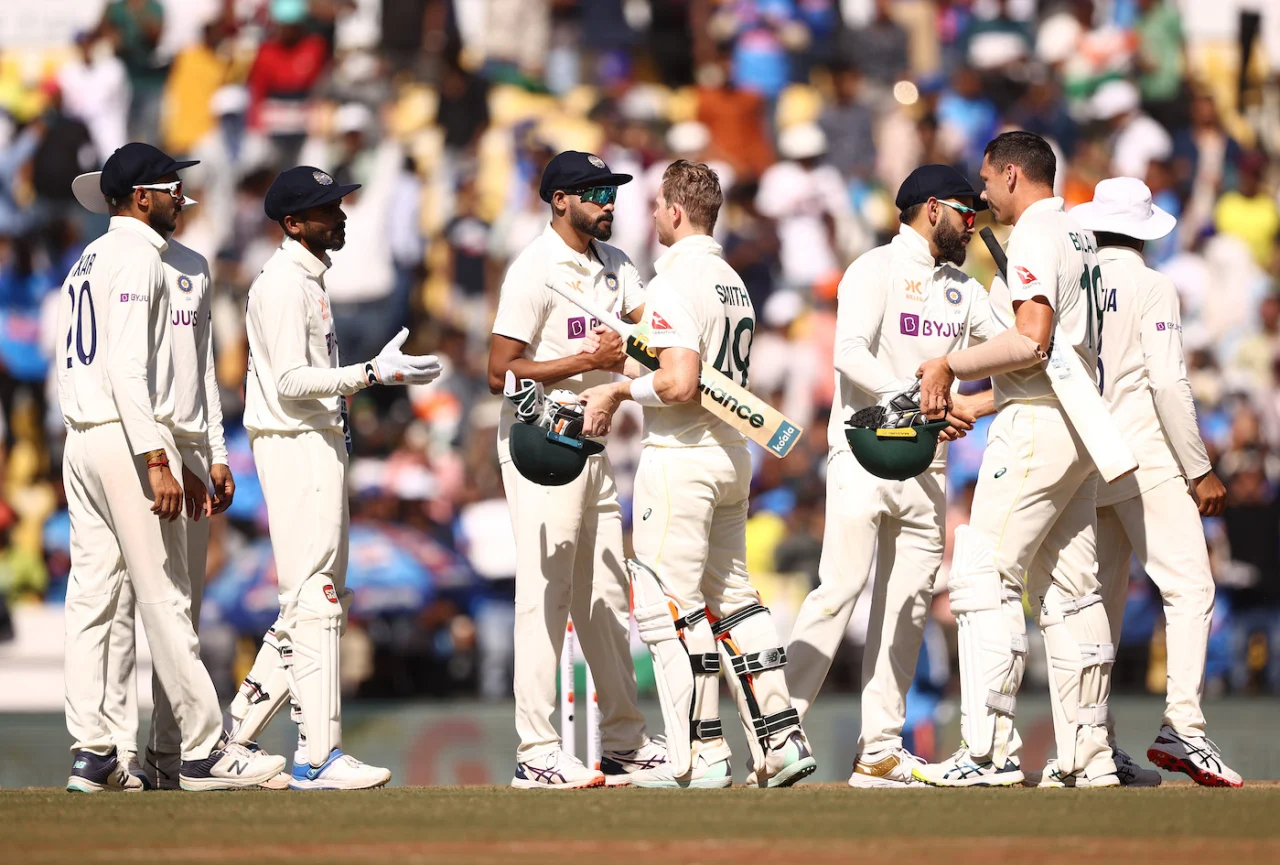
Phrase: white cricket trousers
pixel 115 539
pixel 570 561
pixel 121 704
pixel 899 525
pixel 1162 525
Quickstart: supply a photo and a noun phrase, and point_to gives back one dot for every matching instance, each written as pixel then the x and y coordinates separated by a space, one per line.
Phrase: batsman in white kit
pixel 899 305
pixel 1033 515
pixel 694 603
pixel 568 534
pixel 295 412
pixel 1153 512
pixel 116 387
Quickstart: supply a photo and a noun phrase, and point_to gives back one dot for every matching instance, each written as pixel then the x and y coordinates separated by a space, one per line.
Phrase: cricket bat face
pixel 728 401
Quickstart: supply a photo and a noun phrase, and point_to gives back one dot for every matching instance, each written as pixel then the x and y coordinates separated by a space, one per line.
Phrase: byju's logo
pixel 578 327
pixel 909 324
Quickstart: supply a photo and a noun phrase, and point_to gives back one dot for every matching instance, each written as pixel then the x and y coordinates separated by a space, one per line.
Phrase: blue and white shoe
pixel 340 772
pixel 95 773
pixel 785 766
pixel 618 766
pixel 556 770
pixel 129 759
pixel 710 770
pixel 233 767
pixel 961 770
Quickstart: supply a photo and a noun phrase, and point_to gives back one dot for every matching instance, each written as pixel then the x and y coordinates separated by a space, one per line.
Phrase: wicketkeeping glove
pixel 392 366
pixel 896 410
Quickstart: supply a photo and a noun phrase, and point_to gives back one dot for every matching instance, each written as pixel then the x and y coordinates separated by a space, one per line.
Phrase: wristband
pixel 161 462
pixel 643 392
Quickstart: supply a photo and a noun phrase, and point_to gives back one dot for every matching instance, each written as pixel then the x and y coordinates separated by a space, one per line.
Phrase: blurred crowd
pixel 811 111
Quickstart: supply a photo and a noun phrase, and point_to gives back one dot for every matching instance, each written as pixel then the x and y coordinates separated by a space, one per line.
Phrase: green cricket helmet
pixel 548 458
pixel 895 453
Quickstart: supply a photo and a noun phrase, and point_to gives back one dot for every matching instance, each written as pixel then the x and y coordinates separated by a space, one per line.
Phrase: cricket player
pixel 1153 511
pixel 1033 510
pixel 692 492
pixel 898 306
pixel 569 537
pixel 295 412
pixel 116 387
pixel 198 434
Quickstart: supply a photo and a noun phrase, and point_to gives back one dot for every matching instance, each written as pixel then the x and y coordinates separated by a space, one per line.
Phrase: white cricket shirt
pixel 895 310
pixel 550 326
pixel 197 407
pixel 697 301
pixel 294 382
pixel 1144 376
pixel 1050 256
pixel 114 362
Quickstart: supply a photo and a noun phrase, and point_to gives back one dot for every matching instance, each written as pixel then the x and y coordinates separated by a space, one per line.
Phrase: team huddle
pixel 1093 455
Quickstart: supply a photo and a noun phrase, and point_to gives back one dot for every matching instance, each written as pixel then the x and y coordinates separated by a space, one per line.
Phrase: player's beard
pixel 601 227
pixel 163 222
pixel 950 242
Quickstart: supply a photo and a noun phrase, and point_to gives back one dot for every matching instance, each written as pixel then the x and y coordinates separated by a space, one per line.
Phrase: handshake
pixel 392 366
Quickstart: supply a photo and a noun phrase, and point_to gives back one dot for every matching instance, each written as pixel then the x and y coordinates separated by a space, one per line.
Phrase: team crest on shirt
pixel 597 162
pixel 954 296
pixel 611 281
pixel 659 323
pixel 322 178
pixel 1025 276
pixel 184 283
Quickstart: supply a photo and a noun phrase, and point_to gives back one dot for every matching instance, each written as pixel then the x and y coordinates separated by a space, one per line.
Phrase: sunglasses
pixel 600 195
pixel 174 188
pixel 968 214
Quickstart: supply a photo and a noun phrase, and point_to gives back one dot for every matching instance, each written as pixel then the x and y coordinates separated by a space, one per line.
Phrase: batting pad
pixel 314 671
pixel 1077 640
pixel 263 692
pixel 673 671
pixel 754 658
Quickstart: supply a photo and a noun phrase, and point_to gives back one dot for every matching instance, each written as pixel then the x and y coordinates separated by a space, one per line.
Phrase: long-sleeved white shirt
pixel 115 362
pixel 294 382
pixel 1050 256
pixel 697 301
pixel 197 407
pixel 895 310
pixel 1144 376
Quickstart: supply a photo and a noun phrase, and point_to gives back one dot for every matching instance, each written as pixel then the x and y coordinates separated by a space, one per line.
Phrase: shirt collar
pixel 914 245
pixel 128 223
pixel 303 256
pixel 562 253
pixel 1120 253
pixel 1045 204
pixel 695 244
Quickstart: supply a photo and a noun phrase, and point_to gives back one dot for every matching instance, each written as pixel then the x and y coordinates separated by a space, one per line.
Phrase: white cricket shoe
pixel 890 771
pixel 785 766
pixel 340 772
pixel 129 759
pixel 555 770
pixel 97 773
pixel 961 770
pixel 233 767
pixel 1055 777
pixel 710 770
pixel 619 766
pixel 1196 756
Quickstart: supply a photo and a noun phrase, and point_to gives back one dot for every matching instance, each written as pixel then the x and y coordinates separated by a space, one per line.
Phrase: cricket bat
pixel 718 394
pixel 1077 391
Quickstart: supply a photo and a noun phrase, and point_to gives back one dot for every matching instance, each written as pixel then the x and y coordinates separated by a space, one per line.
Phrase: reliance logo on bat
pixel 732 402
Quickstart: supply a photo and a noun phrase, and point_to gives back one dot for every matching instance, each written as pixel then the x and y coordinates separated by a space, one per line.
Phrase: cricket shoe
pixel 1196 756
pixel 233 767
pixel 788 764
pixel 890 772
pixel 95 773
pixel 1055 777
pixel 129 759
pixel 710 770
pixel 962 770
pixel 555 770
pixel 340 772
pixel 619 766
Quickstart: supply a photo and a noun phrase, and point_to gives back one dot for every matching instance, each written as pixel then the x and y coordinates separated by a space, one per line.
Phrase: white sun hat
pixel 1114 98
pixel 804 141
pixel 1123 205
pixel 87 191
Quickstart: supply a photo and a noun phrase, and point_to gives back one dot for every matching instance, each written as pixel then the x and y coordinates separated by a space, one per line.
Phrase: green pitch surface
pixel 1174 824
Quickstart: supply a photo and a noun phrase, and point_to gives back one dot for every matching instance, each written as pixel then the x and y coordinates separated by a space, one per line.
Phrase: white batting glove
pixel 392 366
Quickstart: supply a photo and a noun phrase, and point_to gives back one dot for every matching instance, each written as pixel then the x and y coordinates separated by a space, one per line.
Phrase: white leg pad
pixel 754 660
pixel 673 671
pixel 314 671
pixel 263 692
pixel 1078 642
pixel 992 648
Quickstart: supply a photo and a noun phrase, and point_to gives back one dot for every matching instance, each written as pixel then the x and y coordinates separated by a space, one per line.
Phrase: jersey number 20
pixel 77 328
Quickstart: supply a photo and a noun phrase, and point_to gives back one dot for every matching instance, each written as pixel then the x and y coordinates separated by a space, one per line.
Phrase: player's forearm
pixel 981 404
pixel 309 382
pixel 541 371
pixel 1177 412
pixel 1008 351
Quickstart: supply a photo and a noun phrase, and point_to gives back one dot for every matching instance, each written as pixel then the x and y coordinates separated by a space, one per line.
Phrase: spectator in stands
pixel 135 26
pixel 289 63
pixel 1136 139
pixel 95 91
pixel 849 126
pixel 198 71
pixel 1249 212
pixel 1161 61
pixel 880 48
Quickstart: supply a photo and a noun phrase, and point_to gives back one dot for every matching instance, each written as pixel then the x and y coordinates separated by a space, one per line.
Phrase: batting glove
pixel 392 366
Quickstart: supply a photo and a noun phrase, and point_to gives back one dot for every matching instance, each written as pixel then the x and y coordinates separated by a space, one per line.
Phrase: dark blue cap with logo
pixel 297 189
pixel 134 164
pixel 936 181
pixel 573 170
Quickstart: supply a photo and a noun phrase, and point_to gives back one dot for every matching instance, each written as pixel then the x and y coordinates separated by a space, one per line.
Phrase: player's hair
pixel 909 215
pixel 696 188
pixel 1026 150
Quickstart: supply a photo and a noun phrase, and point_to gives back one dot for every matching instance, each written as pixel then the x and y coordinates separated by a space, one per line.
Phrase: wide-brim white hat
pixel 1114 98
pixel 1123 205
pixel 89 193
pixel 804 141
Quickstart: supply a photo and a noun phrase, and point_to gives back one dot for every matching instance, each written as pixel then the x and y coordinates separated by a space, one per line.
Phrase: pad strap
pixel 706 730
pixel 1097 654
pixel 726 624
pixel 705 664
pixel 758 662
pixel 1071 606
pixel 767 725
pixel 1092 716
pixel 1005 704
pixel 691 618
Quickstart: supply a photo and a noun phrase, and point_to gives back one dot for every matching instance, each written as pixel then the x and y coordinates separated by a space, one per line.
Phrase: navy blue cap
pixel 936 181
pixel 297 189
pixel 135 164
pixel 574 169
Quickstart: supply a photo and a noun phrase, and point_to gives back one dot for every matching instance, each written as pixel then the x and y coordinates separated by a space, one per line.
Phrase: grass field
pixel 1171 825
